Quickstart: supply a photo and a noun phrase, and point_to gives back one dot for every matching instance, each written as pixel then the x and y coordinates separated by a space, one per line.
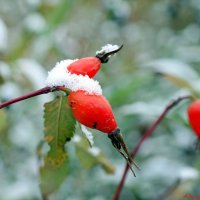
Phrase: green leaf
pixel 87 134
pixel 180 82
pixel 54 171
pixel 3 121
pixel 59 126
pixel 90 157
pixel 177 72
pixel 1 79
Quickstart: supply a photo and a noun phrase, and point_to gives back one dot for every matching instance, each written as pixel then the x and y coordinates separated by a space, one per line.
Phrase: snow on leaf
pixel 91 157
pixel 173 67
pixel 88 135
pixel 188 173
pixel 179 73
pixel 59 127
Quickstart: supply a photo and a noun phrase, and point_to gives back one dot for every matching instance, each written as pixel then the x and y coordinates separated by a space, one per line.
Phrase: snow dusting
pixel 107 48
pixel 188 173
pixel 88 135
pixel 76 139
pixel 94 151
pixel 60 76
pixel 3 36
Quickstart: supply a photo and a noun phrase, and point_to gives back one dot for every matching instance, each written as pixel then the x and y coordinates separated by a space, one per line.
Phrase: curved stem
pixel 44 90
pixel 147 134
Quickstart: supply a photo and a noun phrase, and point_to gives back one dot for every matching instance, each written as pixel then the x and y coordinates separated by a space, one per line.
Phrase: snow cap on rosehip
pixel 59 76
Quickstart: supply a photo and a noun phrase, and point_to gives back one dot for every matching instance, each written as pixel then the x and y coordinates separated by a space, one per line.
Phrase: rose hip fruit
pixel 85 66
pixel 94 111
pixel 194 116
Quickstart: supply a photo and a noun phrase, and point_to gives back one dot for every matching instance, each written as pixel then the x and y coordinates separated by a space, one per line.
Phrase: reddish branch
pixel 147 134
pixel 44 90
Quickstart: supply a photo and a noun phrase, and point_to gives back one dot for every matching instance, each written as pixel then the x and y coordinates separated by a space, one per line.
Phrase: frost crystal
pixel 88 135
pixel 107 48
pixel 60 76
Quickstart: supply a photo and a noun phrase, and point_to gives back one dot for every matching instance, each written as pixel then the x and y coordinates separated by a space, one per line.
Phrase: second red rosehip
pixel 194 116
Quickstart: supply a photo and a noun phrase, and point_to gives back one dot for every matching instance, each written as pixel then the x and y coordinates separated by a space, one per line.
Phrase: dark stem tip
pixel 104 55
pixel 119 143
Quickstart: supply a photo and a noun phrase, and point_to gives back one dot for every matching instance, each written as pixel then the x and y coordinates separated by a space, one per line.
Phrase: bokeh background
pixel 159 62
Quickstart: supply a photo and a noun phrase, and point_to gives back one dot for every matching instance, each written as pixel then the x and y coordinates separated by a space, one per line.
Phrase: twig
pixel 44 90
pixel 147 134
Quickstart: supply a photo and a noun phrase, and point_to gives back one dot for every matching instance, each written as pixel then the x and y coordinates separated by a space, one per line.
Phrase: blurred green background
pixel 159 62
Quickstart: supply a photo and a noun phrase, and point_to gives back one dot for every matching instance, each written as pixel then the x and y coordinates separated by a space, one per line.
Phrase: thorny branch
pixel 147 134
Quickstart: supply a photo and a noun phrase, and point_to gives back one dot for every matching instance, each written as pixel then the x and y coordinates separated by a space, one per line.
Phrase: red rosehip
pixel 194 116
pixel 85 66
pixel 93 111
pixel 91 65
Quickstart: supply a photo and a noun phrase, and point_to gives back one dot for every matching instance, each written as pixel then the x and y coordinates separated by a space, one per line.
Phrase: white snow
pixel 174 67
pixel 63 64
pixel 188 173
pixel 88 135
pixel 32 70
pixel 35 22
pixel 94 151
pixel 107 48
pixel 5 70
pixel 3 36
pixel 60 76
pixel 76 139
